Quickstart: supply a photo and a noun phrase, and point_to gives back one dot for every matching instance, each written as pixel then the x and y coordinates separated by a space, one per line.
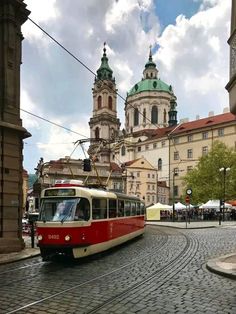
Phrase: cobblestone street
pixel 162 272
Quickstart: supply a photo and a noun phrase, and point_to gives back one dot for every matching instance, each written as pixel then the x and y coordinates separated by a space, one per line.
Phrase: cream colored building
pixel 191 140
pixel 141 180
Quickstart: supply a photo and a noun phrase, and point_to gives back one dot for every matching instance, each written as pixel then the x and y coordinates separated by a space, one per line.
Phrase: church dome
pixel 147 85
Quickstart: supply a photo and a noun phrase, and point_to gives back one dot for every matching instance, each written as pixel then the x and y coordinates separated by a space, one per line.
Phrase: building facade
pixel 12 15
pixel 231 86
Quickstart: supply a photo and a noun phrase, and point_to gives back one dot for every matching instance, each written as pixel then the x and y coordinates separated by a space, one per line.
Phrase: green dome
pixel 150 85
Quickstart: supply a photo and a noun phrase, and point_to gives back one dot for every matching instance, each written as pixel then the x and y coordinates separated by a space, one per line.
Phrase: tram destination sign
pixel 60 192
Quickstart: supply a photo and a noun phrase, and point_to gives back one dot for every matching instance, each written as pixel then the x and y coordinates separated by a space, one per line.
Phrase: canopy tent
pixel 214 204
pixel 179 206
pixel 154 212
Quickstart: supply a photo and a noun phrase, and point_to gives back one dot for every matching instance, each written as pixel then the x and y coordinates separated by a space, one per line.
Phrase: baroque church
pixel 151 131
pixel 150 113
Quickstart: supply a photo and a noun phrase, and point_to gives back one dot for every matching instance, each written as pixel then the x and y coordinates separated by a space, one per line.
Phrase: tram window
pixel 82 211
pixel 121 208
pixel 127 208
pixel 133 208
pixel 142 209
pixel 138 208
pixel 99 208
pixel 112 208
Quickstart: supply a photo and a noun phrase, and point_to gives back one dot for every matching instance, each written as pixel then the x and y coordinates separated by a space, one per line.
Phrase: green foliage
pixel 207 181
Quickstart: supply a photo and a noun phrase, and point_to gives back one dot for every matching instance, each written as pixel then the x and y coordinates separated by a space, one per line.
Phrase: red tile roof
pixel 205 122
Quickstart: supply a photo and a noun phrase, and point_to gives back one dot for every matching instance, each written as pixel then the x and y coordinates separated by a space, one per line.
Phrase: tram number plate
pixel 53 236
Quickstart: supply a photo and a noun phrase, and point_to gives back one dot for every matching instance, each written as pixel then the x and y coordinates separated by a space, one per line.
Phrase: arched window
pixel 99 102
pixel 136 117
pixel 154 117
pixel 97 132
pixel 144 115
pixel 159 167
pixel 110 102
pixel 123 150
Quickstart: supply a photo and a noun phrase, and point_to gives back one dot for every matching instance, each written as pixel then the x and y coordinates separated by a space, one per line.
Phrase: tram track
pixel 53 267
pixel 140 259
pixel 164 273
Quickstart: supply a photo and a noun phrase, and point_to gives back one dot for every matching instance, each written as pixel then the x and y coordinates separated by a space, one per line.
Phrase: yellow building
pixel 191 140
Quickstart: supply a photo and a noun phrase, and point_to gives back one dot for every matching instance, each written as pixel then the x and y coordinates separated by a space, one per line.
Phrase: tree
pixel 206 180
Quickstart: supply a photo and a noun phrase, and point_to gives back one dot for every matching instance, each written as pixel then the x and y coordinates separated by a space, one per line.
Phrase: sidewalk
pixel 223 265
pixel 27 252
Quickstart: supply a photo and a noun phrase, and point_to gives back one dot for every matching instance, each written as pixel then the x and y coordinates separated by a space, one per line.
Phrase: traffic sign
pixel 187 199
pixel 189 191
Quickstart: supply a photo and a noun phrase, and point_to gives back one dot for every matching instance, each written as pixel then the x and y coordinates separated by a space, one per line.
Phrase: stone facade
pixel 13 14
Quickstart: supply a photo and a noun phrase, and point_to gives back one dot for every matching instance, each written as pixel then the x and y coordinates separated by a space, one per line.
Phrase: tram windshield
pixel 57 209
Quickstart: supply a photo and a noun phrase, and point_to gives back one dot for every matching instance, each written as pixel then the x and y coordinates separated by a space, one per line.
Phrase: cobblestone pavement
pixel 162 272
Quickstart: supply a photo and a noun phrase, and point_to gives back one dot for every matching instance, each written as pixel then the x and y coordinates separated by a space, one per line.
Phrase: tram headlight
pixel 67 238
pixel 40 237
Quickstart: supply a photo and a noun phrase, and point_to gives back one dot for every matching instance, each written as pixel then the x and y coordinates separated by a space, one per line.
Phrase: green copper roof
pixel 150 85
pixel 104 72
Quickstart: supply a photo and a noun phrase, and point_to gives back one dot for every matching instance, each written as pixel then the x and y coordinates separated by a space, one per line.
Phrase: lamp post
pixel 224 170
pixel 174 174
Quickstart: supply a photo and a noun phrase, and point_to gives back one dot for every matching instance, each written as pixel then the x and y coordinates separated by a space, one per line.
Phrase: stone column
pixel 13 14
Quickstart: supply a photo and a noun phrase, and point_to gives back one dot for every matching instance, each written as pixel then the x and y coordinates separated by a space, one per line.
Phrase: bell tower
pixel 13 14
pixel 104 124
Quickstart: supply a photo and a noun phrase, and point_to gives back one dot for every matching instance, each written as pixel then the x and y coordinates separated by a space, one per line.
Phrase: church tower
pixel 104 124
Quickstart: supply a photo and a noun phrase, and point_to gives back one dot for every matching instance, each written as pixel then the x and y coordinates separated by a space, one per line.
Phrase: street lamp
pixel 175 173
pixel 224 170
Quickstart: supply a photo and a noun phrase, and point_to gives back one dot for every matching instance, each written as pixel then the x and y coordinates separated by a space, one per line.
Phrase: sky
pixel 189 46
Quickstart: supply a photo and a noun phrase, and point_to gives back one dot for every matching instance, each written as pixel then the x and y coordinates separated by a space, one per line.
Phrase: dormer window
pixel 110 102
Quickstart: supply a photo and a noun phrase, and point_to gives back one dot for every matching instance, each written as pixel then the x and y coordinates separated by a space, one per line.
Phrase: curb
pixel 212 265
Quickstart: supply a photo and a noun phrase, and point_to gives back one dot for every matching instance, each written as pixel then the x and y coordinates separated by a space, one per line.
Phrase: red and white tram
pixel 79 221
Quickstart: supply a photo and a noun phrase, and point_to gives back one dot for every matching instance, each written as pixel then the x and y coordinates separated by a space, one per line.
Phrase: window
pixel 139 148
pixel 153 187
pixel 97 133
pixel 133 208
pixel 148 175
pixel 99 102
pixel 123 150
pixel 159 166
pixel 144 115
pixel 127 208
pixel 99 208
pixel 110 102
pixel 189 168
pixel 190 138
pixel 163 143
pixel 176 190
pixel 154 117
pixel 112 208
pixel 204 150
pixel 204 135
pixel 153 198
pixel 189 153
pixel 138 208
pixel 153 176
pixel 148 198
pixel 176 155
pixel 137 187
pixel 121 208
pixel 176 140
pixel 155 145
pixel 136 117
pixel 147 147
pixel 148 187
pixel 221 132
pixel 138 174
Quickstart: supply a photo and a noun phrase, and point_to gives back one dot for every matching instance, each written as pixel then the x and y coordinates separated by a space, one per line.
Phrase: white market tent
pixel 214 204
pixel 154 212
pixel 179 206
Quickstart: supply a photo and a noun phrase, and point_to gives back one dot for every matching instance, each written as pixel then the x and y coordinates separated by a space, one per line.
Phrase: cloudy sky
pixel 189 42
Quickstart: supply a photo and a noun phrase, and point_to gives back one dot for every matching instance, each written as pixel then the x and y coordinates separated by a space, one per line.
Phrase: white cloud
pixel 194 59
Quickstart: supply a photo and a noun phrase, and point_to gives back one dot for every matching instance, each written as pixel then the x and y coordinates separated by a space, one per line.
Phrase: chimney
pixel 211 114
pixel 197 117
pixel 226 109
